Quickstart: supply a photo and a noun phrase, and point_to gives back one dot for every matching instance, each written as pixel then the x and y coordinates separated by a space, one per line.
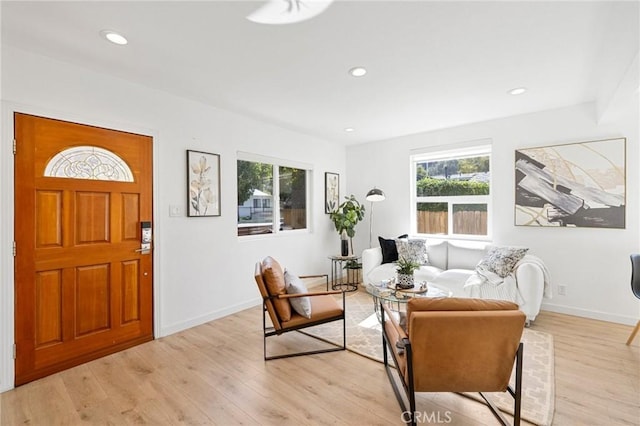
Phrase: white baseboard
pixel 175 328
pixel 193 322
pixel 597 315
pixel 6 387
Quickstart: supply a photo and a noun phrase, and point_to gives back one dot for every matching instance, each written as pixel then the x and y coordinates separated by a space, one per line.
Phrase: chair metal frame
pixel 277 329
pixel 409 387
pixel 635 288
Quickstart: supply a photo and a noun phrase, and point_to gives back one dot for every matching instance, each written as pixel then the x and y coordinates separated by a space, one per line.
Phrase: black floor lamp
pixel 373 196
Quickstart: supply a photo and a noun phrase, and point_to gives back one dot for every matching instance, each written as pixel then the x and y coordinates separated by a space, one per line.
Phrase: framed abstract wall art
pixel 203 184
pixel 580 185
pixel 331 191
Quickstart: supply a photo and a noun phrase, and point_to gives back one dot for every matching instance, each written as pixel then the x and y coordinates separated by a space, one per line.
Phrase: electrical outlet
pixel 175 211
pixel 562 290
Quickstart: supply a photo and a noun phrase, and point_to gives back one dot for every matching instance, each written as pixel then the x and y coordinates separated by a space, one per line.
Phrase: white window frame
pixel 276 163
pixel 468 149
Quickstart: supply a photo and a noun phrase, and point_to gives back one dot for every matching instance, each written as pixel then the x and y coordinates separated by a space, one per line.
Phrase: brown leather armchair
pixel 275 302
pixel 455 345
pixel 635 288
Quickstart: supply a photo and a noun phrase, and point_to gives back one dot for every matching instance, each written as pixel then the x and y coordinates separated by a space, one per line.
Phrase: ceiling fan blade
pixel 280 12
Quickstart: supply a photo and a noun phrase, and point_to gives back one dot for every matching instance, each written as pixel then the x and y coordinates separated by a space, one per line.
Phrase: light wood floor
pixel 214 374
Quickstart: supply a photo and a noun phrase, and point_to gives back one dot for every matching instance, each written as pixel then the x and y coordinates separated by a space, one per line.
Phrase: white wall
pixel 593 263
pixel 202 269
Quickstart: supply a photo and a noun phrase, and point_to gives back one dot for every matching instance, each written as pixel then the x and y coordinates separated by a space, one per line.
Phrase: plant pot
pixel 405 281
pixel 344 247
pixel 344 243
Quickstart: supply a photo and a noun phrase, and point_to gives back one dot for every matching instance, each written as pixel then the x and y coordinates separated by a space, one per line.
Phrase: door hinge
pixel 14 249
pixel 15 351
pixel 14 147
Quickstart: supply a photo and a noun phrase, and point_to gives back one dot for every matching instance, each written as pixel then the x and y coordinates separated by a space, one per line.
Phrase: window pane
pixel 456 176
pixel 432 218
pixel 293 198
pixel 255 192
pixel 470 219
pixel 452 191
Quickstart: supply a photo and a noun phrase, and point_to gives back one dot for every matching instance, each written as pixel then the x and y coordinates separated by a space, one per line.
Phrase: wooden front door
pixel 82 287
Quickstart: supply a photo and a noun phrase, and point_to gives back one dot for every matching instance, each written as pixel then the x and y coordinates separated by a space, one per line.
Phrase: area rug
pixel 538 390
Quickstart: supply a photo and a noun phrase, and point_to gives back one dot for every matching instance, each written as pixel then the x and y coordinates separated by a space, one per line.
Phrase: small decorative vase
pixel 405 281
pixel 344 244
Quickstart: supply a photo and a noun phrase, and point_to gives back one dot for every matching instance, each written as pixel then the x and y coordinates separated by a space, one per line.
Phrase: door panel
pixel 48 308
pixel 92 217
pixel 82 291
pixel 92 299
pixel 130 217
pixel 130 291
pixel 48 219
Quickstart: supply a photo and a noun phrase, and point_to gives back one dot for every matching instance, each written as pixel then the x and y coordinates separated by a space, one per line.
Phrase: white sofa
pixel 452 263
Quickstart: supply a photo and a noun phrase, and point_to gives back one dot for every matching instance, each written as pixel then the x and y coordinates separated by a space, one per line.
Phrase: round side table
pixel 348 281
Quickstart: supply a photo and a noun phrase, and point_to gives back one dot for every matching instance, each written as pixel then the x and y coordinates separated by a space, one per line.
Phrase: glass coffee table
pixel 397 299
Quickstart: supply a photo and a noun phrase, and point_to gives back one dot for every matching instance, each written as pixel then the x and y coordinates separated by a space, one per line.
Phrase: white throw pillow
pixel 437 254
pixel 294 285
pixel 464 257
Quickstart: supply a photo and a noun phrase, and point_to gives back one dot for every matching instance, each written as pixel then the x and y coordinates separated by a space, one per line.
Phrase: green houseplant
pixel 346 216
pixel 405 269
pixel 353 268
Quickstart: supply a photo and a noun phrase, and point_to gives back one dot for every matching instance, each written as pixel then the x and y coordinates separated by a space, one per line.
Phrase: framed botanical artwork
pixel 203 184
pixel 331 191
pixel 572 185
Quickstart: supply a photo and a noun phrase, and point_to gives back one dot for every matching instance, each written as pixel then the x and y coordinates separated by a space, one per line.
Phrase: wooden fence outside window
pixel 464 222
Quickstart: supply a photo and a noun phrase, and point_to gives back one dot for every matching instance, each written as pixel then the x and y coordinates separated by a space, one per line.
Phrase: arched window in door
pixel 88 162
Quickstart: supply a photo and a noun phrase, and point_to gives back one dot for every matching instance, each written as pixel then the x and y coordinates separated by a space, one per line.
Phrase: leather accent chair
pixel 275 303
pixel 455 345
pixel 635 288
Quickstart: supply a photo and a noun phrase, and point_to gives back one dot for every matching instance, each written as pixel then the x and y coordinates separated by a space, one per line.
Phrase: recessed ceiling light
pixel 349 129
pixel 517 91
pixel 357 71
pixel 114 37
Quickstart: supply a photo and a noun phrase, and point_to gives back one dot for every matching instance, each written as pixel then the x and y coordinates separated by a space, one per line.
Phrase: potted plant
pixel 405 268
pixel 346 217
pixel 353 268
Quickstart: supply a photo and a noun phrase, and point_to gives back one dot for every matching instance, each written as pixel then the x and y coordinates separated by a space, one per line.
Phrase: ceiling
pixel 430 64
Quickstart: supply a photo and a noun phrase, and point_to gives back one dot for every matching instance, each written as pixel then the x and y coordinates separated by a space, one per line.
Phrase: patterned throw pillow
pixel 502 260
pixel 413 250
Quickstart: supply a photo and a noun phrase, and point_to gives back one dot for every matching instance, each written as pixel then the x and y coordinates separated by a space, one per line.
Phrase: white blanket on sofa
pixel 485 284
